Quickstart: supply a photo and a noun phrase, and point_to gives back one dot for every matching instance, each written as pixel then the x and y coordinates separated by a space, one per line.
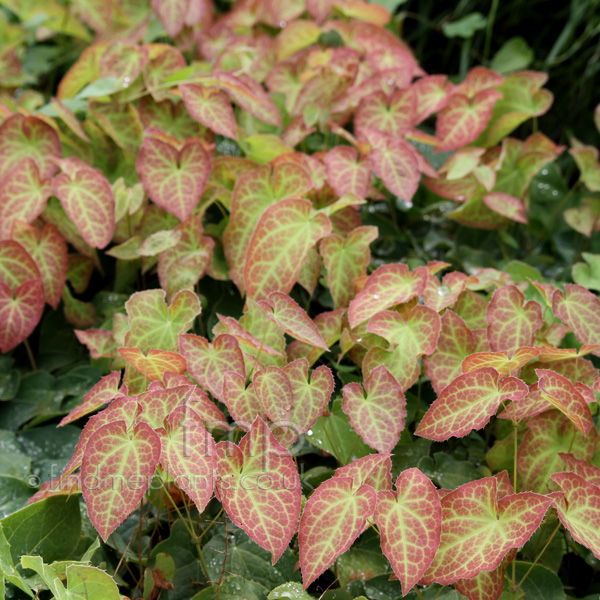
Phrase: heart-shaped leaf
pixel 346 174
pixel 242 402
pixel 499 360
pixel 345 511
pixel 208 363
pixel 391 115
pixel 20 312
pixel 478 529
pixel 155 363
pixel 506 205
pixel 211 107
pixel 377 416
pixel 281 240
pixel 117 468
pixel 410 522
pixel 172 14
pixel 259 487
pixel 468 402
pixel 274 392
pixel 174 177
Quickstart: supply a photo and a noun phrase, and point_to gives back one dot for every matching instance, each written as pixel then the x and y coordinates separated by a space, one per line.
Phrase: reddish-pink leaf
pixel 117 468
pixel 478 529
pixel 410 522
pixel 506 205
pixel 395 162
pixel 20 312
pixel 386 286
pixel 582 468
pixel 28 137
pixel 292 319
pixel 120 409
pixel 334 516
pixel 254 192
pixel 431 95
pixel 184 264
pixel 174 177
pixel 154 364
pixel 462 120
pixel 281 240
pixel 172 14
pixel 208 363
pixel 246 340
pixel 274 392
pixel 16 265
pixel 486 585
pixel 23 195
pixel 391 115
pixel 455 344
pixel 242 402
pixel 438 295
pixel 59 486
pixel 512 322
pixel 499 360
pixel 157 403
pixel 560 392
pixel 346 174
pixel 259 487
pixel 373 470
pixel 211 107
pixel 377 416
pixel 100 342
pixel 49 251
pixel 102 393
pixel 580 310
pixel 549 434
pixel 87 197
pixel 189 455
pixel 468 403
pixel 579 509
pixel 346 260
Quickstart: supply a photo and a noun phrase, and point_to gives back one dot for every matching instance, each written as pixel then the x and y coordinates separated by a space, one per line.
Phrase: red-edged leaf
pixel 246 340
pixel 274 392
pixel 582 468
pixel 486 585
pixel 113 456
pixel 560 392
pixel 208 363
pixel 310 399
pixel 438 295
pixel 102 393
pixel 23 195
pixel 16 265
pixel 155 364
pixel 59 486
pixel 87 197
pixel 120 409
pixel 346 174
pixel 389 115
pixel 20 312
pixel 344 511
pixel 395 163
pixel 580 310
pixel 499 360
pixel 388 285
pixel 512 322
pixel 259 487
pixel 100 342
pixel 377 416
pixel 280 242
pixel 174 177
pixel 242 402
pixel 373 470
pixel 153 324
pixel 157 404
pixel 211 107
pixel 431 95
pixel 549 434
pixel 172 14
pixel 579 509
pixel 254 192
pixel 506 205
pixel 165 60
pixel 329 325
pixel 346 260
pixel 184 264
pixel 189 455
pixel 471 307
pixel 468 403
pixel 49 251
pixel 462 120
pixel 288 315
pixel 454 345
pixel 28 137
pixel 478 529
pixel 410 523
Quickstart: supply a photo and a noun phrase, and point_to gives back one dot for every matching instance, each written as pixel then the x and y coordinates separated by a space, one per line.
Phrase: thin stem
pixel 488 33
pixel 418 593
pixel 30 354
pixel 439 592
pixel 548 541
pixel 210 525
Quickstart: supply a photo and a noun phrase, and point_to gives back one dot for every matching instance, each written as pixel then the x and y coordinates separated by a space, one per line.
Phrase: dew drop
pixel 390 81
pixel 461 197
pixel 544 171
pixel 282 24
pixel 309 432
pixel 376 296
pixel 443 290
pixel 555 192
pixel 359 340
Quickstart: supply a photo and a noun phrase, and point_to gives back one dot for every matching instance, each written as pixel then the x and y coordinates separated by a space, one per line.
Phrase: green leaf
pixel 514 55
pixel 232 588
pixel 89 583
pixel 289 591
pixel 541 583
pixel 588 275
pixel 49 528
pixel 13 462
pixel 101 87
pixel 465 27
pixel 334 435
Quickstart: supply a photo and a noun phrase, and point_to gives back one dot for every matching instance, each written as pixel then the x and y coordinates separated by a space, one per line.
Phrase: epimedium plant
pixel 231 185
